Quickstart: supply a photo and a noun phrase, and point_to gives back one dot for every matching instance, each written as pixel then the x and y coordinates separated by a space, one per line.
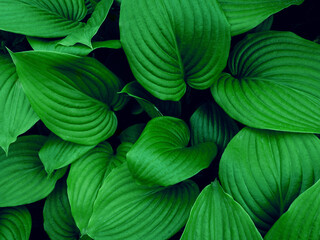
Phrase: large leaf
pixel 216 216
pixel 161 155
pixel 42 18
pixel 127 210
pixel 15 223
pixel 86 176
pixel 274 83
pixel 302 219
pixel 132 133
pixel 58 221
pixel 209 123
pixel 265 171
pixel 244 15
pixel 172 43
pixel 16 114
pixel 74 96
pixel 23 179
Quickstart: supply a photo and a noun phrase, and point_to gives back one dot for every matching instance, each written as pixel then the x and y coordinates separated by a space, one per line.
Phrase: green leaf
pixel 161 155
pixel 264 26
pixel 42 18
pixel 127 210
pixel 16 116
pixel 23 179
pixel 302 219
pixel 170 43
pixel 74 96
pixel 15 223
pixel 244 15
pixel 41 44
pixel 86 33
pixel 132 133
pixel 209 123
pixel 274 83
pixel 86 176
pixel 58 221
pixel 265 171
pixel 57 153
pixel 153 106
pixel 215 215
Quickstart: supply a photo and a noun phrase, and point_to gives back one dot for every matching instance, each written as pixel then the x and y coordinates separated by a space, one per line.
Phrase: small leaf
pixel 15 223
pixel 132 133
pixel 302 219
pixel 58 221
pixel 264 171
pixel 16 116
pixel 172 44
pixel 216 216
pixel 274 83
pixel 74 96
pixel 161 156
pixel 126 210
pixel 23 179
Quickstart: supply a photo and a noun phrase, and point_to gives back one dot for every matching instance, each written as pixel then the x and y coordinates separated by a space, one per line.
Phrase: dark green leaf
pixel 132 133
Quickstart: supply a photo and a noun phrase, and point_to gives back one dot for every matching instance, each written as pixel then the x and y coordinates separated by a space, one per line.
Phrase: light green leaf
pixel 23 179
pixel 86 176
pixel 265 171
pixel 74 96
pixel 42 18
pixel 57 153
pixel 58 221
pixel 16 114
pixel 132 133
pixel 209 123
pixel 302 219
pixel 170 43
pixel 15 223
pixel 41 44
pixel 216 216
pixel 127 210
pixel 153 106
pixel 86 33
pixel 161 155
pixel 274 83
pixel 244 15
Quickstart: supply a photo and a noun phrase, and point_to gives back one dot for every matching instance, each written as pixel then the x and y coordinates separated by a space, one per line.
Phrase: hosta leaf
pixel 15 223
pixel 153 106
pixel 58 221
pixel 85 179
pixel 132 133
pixel 23 179
pixel 42 18
pixel 274 83
pixel 265 171
pixel 171 44
pixel 74 96
pixel 127 210
pixel 264 26
pixel 302 219
pixel 16 116
pixel 57 153
pixel 216 216
pixel 244 15
pixel 161 156
pixel 209 123
pixel 78 49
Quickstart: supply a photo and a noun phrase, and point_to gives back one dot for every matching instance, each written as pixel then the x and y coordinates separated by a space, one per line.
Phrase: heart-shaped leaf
pixel 42 18
pixel 58 221
pixel 170 43
pixel 127 210
pixel 161 156
pixel 16 114
pixel 15 223
pixel 265 171
pixel 215 215
pixel 74 96
pixel 23 179
pixel 302 219
pixel 274 83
